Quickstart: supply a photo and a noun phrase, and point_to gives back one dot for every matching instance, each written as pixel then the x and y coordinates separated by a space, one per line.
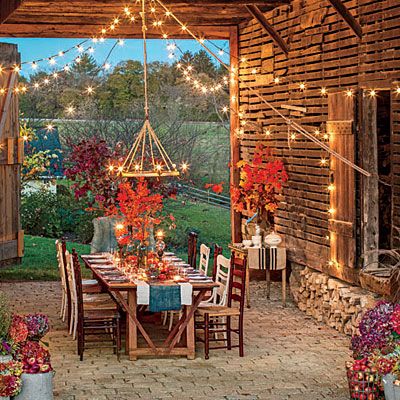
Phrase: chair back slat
pixel 70 276
pixel 79 290
pixel 61 267
pixel 217 252
pixel 222 277
pixel 192 249
pixel 237 281
pixel 204 258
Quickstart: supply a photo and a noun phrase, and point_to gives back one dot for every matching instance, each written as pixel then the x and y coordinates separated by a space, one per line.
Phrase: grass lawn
pixel 210 222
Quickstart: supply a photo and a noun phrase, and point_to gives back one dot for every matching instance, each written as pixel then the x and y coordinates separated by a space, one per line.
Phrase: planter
pixel 363 385
pixel 5 359
pixel 104 239
pixel 392 391
pixel 36 386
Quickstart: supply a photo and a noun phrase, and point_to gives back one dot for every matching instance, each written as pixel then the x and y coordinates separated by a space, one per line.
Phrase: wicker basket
pixel 364 385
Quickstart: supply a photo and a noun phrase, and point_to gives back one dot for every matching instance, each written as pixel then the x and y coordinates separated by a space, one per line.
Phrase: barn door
pixel 11 155
pixel 340 125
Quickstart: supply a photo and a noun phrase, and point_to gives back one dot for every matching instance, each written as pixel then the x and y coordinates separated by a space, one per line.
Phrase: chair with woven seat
pixel 95 298
pixel 214 319
pixel 97 316
pixel 217 252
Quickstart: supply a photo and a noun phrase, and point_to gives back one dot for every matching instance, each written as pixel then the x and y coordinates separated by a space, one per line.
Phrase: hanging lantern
pixel 147 157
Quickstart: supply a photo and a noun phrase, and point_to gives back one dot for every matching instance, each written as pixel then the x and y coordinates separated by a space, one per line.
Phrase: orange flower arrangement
pixel 261 180
pixel 140 208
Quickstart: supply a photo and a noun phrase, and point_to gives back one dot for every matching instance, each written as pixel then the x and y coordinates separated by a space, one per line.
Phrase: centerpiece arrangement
pixel 376 353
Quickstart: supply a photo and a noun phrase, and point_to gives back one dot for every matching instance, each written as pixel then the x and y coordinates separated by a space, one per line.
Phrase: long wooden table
pixel 184 327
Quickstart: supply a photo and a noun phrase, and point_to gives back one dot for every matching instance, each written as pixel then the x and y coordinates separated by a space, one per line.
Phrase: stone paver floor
pixel 287 356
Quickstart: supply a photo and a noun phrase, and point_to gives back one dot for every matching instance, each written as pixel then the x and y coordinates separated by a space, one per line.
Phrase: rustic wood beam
pixel 126 31
pixel 345 14
pixel 7 7
pixel 262 20
pixel 228 2
pixel 236 218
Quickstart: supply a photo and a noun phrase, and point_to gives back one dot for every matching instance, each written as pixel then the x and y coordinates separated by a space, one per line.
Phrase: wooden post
pixel 236 219
pixel 11 236
pixel 340 126
pixel 370 185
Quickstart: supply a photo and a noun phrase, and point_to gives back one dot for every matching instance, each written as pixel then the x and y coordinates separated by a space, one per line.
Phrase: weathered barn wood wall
pixel 11 154
pixel 324 52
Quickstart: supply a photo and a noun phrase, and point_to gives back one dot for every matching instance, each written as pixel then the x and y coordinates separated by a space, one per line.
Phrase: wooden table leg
pixel 190 336
pixel 132 328
pixel 284 287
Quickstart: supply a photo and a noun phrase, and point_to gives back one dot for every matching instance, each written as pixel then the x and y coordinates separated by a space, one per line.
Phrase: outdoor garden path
pixel 287 356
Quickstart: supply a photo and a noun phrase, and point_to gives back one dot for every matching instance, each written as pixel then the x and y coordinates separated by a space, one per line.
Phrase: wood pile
pixel 331 301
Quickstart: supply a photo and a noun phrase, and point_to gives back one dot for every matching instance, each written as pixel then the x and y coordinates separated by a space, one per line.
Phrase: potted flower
pixel 37 376
pixel 38 326
pixel 260 183
pixel 10 379
pixel 7 345
pixel 376 349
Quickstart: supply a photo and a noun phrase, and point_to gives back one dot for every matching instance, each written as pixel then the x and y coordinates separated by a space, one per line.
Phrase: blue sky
pixel 33 49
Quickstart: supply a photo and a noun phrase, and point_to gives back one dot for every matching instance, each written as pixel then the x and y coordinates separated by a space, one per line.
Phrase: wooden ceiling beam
pixel 347 16
pixel 262 20
pixel 124 31
pixel 7 8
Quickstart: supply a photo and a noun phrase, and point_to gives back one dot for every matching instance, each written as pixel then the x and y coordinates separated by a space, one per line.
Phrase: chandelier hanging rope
pixel 148 157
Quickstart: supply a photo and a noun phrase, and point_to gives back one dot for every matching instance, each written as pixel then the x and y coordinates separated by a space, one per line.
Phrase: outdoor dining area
pixel 161 289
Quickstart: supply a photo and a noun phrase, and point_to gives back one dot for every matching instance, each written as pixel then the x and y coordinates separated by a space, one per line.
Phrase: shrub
pixel 39 214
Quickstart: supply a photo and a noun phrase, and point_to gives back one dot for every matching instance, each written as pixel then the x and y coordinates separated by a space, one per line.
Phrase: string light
pixel 36 85
pixel 331 187
pixel 17 68
pixel 372 93
pixel 184 166
pixel 107 66
pixel 111 168
pixel 121 42
pixel 2 91
pixel 1 69
pixel 34 66
pixel 225 109
pixel 349 92
pixel 324 91
pixel 277 80
pixel 70 110
pixel 89 90
pixel 61 54
pixel 267 132
pixel 46 81
pixel 331 211
pixel 302 86
pixel 324 161
pixel 397 91
pixel 49 127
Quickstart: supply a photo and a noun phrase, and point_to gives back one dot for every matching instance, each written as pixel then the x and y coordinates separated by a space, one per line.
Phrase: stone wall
pixel 329 300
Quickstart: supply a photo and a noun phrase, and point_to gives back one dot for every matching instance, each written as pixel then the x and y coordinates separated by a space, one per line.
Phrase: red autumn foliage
pixel 89 162
pixel 140 209
pixel 215 187
pixel 261 181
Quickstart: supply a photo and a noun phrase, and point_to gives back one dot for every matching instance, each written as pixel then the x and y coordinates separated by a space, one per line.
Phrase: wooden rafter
pixel 7 7
pixel 260 17
pixel 347 16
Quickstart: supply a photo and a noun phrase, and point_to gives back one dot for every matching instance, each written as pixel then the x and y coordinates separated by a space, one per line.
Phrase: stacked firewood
pixel 331 301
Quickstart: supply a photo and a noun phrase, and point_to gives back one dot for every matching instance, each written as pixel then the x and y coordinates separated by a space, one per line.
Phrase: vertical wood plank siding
pixel 324 52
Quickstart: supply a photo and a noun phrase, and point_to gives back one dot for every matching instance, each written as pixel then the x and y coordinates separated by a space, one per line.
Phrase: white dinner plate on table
pixel 201 280
pixel 197 277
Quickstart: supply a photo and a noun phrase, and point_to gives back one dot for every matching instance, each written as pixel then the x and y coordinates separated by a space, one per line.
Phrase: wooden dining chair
pixel 204 258
pixel 219 295
pixel 216 319
pixel 96 318
pixel 192 249
pixel 65 302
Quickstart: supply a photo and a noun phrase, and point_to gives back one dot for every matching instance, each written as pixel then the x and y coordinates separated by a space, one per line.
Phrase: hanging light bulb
pixel 331 187
pixel 36 85
pixel 67 68
pixel 52 61
pixel 267 132
pixel 324 91
pixel 221 52
pixel 34 65
pixel 61 54
pixel 46 81
pixel 49 127
pixel 397 91
pixel 225 109
pixel 302 86
pixel 121 42
pixel 17 68
pixel 372 93
pixel 277 80
pixel 116 21
pixel 78 60
pixel 89 90
pixel 349 92
pixel 324 161
pixel 107 66
pixel 70 110
pixel 55 75
pixel 165 36
pixel 91 50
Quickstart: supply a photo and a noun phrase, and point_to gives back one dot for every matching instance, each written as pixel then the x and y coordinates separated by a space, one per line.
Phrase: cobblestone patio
pixel 287 356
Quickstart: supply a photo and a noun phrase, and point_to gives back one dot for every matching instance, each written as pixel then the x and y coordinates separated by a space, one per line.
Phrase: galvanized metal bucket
pixel 36 386
pixel 392 391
